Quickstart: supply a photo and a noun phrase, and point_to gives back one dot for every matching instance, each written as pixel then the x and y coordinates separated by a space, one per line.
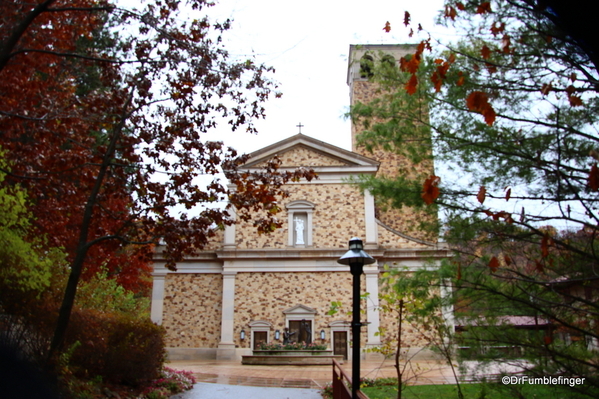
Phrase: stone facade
pixel 334 217
pixel 251 285
pixel 192 310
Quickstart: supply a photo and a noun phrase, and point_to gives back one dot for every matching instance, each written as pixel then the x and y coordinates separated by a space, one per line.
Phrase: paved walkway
pixel 304 377
pixel 204 390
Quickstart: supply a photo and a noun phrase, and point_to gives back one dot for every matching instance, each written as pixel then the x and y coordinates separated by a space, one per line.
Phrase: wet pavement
pixel 305 377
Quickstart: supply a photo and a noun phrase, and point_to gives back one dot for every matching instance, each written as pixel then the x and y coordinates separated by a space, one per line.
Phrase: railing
pixel 342 384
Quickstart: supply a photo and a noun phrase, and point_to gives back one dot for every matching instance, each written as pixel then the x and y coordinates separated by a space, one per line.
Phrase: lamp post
pixel 356 258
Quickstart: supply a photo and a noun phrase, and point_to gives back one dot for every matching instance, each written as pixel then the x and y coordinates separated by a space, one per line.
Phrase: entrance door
pixel 340 343
pixel 259 337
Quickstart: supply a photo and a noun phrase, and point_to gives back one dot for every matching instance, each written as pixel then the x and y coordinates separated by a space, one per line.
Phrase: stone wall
pixel 406 219
pixel 264 297
pixel 306 157
pixel 192 310
pixel 338 214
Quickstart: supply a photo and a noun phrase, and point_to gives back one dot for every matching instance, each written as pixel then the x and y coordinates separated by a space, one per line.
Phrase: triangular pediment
pixel 302 150
pixel 299 310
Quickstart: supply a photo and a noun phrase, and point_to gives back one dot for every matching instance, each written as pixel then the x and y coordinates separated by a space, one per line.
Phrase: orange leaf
pixel 412 84
pixel 430 189
pixel 387 27
pixel 482 193
pixel 494 264
pixel 461 79
pixel 594 178
pixel 478 101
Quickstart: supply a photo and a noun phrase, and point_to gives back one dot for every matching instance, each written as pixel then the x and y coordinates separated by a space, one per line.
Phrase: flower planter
pixel 284 352
pixel 291 357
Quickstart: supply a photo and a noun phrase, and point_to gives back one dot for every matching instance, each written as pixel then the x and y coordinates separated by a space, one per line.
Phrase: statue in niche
pixel 287 336
pixel 299 231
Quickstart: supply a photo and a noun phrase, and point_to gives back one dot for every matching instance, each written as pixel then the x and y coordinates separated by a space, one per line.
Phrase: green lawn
pixel 471 391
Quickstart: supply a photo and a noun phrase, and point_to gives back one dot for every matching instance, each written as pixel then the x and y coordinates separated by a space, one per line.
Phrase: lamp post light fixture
pixel 322 335
pixel 277 335
pixel 242 334
pixel 356 258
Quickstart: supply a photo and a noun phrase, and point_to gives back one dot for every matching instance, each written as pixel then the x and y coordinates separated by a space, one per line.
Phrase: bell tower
pixel 363 89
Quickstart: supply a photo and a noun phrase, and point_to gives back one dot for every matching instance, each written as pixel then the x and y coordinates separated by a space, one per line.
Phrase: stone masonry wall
pixel 405 220
pixel 264 296
pixel 192 310
pixel 303 156
pixel 338 214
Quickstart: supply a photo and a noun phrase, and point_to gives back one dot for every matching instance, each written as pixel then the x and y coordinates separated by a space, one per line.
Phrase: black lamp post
pixel 356 258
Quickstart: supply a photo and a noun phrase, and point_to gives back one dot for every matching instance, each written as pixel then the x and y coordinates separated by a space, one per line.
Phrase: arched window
pixel 366 66
pixel 300 223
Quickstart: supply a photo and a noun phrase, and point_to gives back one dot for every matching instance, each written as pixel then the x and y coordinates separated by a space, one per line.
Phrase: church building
pixel 245 288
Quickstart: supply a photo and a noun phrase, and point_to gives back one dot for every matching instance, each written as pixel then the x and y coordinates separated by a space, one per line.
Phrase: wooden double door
pixel 340 343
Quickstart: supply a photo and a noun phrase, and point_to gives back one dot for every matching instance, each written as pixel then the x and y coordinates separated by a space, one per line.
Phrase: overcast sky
pixel 307 43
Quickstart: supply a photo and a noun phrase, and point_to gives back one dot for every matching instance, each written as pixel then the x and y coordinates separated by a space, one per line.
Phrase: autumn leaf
pixel 508 194
pixel 593 183
pixel 575 100
pixel 482 193
pixel 547 339
pixel 484 7
pixel 412 84
pixel 478 101
pixel 546 88
pixel 497 28
pixel 485 52
pixel 406 18
pixel 450 12
pixel 494 264
pixel 546 242
pixel 507 260
pixel 387 27
pixel 430 189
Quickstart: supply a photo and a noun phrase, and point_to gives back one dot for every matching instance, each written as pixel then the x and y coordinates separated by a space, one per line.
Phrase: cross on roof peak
pixel 300 127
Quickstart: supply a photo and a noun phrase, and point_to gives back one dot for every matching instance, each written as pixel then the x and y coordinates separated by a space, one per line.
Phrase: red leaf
pixel 450 12
pixel 460 6
pixel 482 193
pixel 484 7
pixel 508 194
pixel 545 243
pixel 494 264
pixel 387 27
pixel 547 339
pixel 575 100
pixel 507 259
pixel 406 18
pixel 478 101
pixel 430 189
pixel 485 52
pixel 593 183
pixel 497 28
